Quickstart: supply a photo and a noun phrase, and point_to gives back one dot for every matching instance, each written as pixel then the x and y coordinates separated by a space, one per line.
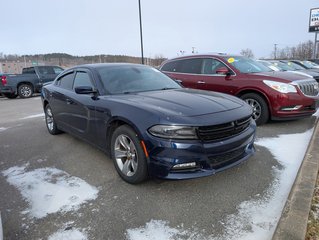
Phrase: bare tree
pixel 247 53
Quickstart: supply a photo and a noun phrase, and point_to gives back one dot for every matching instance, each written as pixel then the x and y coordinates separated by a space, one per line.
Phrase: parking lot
pixel 229 205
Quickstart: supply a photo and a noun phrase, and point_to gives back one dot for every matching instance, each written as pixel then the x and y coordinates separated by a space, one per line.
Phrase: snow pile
pixel 50 190
pixel 72 234
pixel 2 129
pixel 256 219
pixel 158 230
pixel 33 116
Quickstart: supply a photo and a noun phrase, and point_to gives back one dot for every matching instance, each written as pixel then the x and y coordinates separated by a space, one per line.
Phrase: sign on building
pixel 314 20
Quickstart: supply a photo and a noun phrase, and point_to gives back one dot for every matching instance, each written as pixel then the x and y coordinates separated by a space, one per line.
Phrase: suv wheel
pixel 259 107
pixel 25 91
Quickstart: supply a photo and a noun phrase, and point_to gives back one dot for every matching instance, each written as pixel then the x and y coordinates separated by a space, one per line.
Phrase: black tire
pixel 50 122
pixel 130 162
pixel 10 95
pixel 259 106
pixel 25 91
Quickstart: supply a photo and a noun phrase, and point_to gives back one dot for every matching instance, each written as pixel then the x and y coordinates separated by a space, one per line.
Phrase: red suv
pixel 272 95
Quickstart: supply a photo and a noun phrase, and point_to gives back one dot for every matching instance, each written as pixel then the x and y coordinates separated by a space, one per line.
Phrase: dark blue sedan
pixel 148 123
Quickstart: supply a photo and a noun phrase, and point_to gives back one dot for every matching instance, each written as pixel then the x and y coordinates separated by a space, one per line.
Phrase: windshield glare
pixel 247 65
pixel 308 64
pixel 295 66
pixel 134 78
pixel 283 66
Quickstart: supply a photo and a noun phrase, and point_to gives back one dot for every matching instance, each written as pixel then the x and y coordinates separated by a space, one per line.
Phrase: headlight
pixel 281 87
pixel 173 132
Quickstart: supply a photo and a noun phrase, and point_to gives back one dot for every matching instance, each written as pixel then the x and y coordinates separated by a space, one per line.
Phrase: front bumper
pixel 210 157
pixel 293 106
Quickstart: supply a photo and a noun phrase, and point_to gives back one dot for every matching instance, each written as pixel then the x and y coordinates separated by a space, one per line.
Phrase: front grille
pixel 308 88
pixel 222 131
pixel 223 159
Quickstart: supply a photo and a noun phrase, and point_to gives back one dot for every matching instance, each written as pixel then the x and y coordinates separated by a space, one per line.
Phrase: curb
pixel 292 224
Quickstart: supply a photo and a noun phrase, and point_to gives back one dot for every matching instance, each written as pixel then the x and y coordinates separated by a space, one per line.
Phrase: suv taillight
pixel 4 80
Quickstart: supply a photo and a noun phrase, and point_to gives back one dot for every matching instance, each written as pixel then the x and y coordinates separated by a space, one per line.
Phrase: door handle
pixel 179 81
pixel 201 82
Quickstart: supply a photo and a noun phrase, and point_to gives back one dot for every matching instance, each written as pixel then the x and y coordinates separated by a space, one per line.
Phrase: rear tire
pixel 128 156
pixel 259 107
pixel 50 122
pixel 10 95
pixel 25 91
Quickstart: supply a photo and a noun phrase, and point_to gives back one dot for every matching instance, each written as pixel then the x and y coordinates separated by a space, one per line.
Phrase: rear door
pixel 185 71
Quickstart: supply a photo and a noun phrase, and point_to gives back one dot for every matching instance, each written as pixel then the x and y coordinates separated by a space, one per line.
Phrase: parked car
pixel 272 95
pixel 307 65
pixel 269 65
pixel 293 67
pixel 30 81
pixel 148 123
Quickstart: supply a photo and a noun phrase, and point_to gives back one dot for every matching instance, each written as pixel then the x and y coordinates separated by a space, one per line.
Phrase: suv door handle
pixel 201 82
pixel 179 81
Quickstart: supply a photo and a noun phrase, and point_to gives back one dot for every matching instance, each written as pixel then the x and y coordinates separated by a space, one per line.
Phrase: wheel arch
pixel 116 122
pixel 260 93
pixel 27 83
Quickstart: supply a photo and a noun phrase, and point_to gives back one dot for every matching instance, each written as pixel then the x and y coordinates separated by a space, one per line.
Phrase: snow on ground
pixel 33 116
pixel 71 234
pixel 49 190
pixel 2 129
pixel 256 219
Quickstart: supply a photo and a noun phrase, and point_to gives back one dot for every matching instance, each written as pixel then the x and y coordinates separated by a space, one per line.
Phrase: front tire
pixel 25 91
pixel 50 122
pixel 128 156
pixel 259 107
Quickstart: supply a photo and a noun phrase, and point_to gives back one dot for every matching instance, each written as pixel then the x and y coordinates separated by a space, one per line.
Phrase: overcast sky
pixel 83 27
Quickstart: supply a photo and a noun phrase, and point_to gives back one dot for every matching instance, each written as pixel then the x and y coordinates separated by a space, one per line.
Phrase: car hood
pixel 285 76
pixel 181 102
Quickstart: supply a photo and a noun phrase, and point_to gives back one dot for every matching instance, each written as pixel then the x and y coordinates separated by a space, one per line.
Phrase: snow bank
pixel 49 190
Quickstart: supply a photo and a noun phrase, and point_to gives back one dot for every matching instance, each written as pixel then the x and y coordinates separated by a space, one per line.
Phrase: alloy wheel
pixel 256 107
pixel 126 155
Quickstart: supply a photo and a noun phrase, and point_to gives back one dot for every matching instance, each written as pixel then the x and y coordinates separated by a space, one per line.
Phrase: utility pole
pixel 141 32
pixel 275 45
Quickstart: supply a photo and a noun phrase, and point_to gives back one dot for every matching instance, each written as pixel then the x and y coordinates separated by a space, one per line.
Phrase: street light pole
pixel 141 32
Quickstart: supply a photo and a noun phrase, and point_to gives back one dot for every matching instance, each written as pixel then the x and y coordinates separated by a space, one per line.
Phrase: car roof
pixel 99 65
pixel 215 54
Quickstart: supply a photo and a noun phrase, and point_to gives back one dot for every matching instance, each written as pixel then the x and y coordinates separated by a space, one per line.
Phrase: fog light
pixel 291 108
pixel 185 165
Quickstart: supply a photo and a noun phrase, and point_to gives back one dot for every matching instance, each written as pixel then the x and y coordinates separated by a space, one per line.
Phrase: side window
pixel 28 70
pixel 46 70
pixel 210 65
pixel 57 70
pixel 191 66
pixel 170 66
pixel 66 81
pixel 82 79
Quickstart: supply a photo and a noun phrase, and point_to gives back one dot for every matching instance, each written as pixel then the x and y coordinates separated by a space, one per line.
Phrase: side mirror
pixel 85 90
pixel 223 71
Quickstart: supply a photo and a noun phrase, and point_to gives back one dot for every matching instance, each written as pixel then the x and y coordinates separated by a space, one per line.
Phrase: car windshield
pixel 295 66
pixel 123 79
pixel 247 65
pixel 283 66
pixel 307 64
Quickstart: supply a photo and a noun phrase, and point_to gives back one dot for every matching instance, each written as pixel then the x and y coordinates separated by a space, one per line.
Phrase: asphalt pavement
pixel 200 205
